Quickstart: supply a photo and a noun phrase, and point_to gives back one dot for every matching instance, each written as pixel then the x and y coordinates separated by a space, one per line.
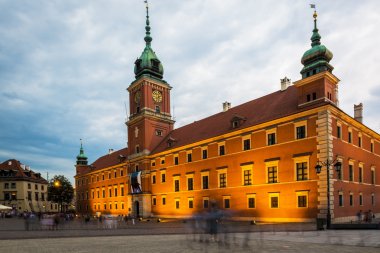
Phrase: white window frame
pixel 244 138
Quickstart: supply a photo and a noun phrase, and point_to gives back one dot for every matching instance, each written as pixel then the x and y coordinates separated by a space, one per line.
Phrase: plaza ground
pixel 177 236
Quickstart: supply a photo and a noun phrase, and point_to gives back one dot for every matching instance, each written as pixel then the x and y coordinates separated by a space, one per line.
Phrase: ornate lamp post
pixel 318 168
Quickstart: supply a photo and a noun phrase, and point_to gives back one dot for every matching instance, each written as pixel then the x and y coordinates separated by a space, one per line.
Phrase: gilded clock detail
pixel 157 96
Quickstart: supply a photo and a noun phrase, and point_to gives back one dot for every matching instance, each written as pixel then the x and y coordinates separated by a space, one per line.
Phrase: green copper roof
pixel 81 158
pixel 148 63
pixel 317 58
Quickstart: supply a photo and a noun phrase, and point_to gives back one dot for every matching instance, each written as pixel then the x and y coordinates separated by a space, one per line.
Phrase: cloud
pixel 65 65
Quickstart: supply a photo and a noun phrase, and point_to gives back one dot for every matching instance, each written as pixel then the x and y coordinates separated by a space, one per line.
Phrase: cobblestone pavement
pixel 175 237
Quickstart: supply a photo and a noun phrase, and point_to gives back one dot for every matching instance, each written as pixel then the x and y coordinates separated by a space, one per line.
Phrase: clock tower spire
pixel 149 102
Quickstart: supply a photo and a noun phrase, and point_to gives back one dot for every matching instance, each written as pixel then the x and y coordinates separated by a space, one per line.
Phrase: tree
pixel 60 191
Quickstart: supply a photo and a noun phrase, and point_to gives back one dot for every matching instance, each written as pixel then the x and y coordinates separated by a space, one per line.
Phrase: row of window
pixel 102 207
pixel 351 199
pixel 360 171
pixel 273 201
pixel 112 192
pixel 358 141
pixel 36 196
pixel 99 177
pixel 13 185
pixel 301 170
pixel 300 133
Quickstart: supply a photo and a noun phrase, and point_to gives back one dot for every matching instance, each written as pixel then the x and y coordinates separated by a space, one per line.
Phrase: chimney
pixel 110 151
pixel 358 112
pixel 285 83
pixel 226 106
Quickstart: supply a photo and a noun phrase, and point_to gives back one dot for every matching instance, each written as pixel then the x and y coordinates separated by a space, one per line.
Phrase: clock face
pixel 157 96
pixel 137 97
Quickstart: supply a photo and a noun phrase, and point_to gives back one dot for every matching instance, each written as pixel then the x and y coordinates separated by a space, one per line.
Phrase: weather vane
pixel 315 10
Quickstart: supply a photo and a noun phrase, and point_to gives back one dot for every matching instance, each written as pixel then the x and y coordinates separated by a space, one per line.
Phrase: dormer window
pixel 237 121
pixel 170 142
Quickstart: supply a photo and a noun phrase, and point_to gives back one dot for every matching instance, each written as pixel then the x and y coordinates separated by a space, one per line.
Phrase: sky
pixel 65 65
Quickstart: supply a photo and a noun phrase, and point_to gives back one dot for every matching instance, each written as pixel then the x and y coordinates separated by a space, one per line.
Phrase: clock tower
pixel 149 102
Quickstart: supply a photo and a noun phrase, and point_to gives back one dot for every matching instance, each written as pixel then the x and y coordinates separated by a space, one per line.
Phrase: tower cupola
pixel 148 63
pixel 81 158
pixel 317 58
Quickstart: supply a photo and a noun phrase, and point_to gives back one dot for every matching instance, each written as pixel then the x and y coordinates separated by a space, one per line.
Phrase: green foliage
pixel 60 190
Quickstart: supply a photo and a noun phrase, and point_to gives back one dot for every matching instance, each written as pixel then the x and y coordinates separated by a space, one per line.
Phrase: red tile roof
pixel 270 107
pixel 14 170
pixel 112 159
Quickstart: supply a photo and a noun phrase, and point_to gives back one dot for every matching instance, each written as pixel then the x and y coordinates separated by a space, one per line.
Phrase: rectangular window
pixel 372 175
pixel 204 154
pixel 349 137
pixel 122 190
pixel 110 192
pixel 274 200
pixel 340 173
pixel 205 202
pixel 36 196
pixel 272 174
pixel 42 196
pixel 339 131
pixel 222 180
pixel 247 177
pixel 302 201
pixel 360 175
pixel 154 201
pixel 104 193
pixel 29 186
pixel 189 157
pixel 361 199
pixel 163 177
pixel 13 185
pixel 360 142
pixel 271 139
pixel 163 200
pixel 373 199
pixel 162 160
pixel 247 144
pixel 351 172
pixel 340 199
pixel 251 201
pixel 222 150
pixel 351 199
pixel 115 192
pixel 301 132
pixel 190 183
pixel 372 145
pixel 153 179
pixel 35 187
pixel 226 202
pixel 6 185
pixel 176 160
pixel 302 173
pixel 191 202
pixel 176 185
pixel 177 204
pixel 121 172
pixel 205 182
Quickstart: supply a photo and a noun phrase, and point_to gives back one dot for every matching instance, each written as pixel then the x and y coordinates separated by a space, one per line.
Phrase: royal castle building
pixel 292 155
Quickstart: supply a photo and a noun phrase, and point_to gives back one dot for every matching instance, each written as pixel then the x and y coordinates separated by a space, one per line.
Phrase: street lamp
pixel 318 168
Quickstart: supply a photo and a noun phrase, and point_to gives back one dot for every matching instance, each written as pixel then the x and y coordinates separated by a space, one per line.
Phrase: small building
pixel 23 189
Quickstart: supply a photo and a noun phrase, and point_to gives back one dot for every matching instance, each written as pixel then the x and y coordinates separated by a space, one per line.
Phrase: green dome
pixel 148 63
pixel 81 158
pixel 317 58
